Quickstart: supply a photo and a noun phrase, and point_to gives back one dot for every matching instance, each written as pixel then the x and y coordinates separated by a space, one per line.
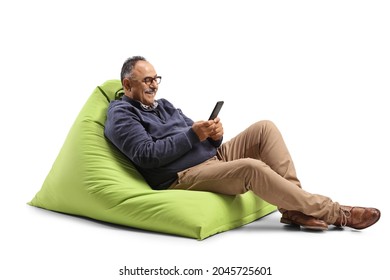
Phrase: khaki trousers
pixel 258 160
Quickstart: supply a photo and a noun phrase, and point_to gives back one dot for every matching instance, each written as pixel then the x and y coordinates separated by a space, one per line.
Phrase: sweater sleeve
pixel 125 130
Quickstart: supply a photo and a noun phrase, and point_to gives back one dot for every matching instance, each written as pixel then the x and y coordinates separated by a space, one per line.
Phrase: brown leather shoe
pixel 357 217
pixel 300 219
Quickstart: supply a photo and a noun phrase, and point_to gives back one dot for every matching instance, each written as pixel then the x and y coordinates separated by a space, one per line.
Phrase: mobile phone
pixel 216 110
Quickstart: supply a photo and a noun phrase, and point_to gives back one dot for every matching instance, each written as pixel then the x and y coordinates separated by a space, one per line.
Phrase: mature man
pixel 173 152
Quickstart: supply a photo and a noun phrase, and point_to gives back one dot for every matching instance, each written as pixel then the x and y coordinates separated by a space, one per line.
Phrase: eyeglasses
pixel 149 80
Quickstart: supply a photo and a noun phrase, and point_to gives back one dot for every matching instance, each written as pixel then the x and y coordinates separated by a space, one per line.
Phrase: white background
pixel 319 69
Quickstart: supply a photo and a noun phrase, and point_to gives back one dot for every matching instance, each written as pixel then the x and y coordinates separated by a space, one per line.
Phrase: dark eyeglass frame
pixel 149 80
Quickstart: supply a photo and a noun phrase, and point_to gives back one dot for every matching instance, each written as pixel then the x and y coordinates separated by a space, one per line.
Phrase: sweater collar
pixel 139 104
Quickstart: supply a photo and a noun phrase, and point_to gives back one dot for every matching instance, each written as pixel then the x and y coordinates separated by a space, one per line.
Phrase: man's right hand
pixel 203 129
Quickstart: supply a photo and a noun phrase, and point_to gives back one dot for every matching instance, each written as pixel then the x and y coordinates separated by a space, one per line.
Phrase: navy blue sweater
pixel 160 142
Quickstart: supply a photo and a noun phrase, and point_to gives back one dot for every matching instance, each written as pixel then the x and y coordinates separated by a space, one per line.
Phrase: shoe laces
pixel 345 215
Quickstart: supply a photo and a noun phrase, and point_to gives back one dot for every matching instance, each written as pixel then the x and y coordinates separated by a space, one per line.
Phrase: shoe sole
pixel 289 222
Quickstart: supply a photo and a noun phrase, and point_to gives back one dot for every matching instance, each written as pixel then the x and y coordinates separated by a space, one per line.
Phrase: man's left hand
pixel 217 132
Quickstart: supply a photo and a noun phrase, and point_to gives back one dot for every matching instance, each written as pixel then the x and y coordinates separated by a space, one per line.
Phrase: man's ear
pixel 126 84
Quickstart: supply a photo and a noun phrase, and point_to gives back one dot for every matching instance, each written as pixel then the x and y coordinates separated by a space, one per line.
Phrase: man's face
pixel 142 86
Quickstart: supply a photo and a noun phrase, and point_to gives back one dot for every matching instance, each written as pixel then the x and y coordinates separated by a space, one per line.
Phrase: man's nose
pixel 154 84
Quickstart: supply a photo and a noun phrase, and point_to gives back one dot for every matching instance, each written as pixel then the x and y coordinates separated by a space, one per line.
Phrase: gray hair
pixel 129 64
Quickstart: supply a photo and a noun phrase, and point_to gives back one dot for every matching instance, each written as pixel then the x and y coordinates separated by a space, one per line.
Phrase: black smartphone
pixel 216 110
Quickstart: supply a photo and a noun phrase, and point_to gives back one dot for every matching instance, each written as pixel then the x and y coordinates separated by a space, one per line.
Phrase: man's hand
pixel 206 129
pixel 217 131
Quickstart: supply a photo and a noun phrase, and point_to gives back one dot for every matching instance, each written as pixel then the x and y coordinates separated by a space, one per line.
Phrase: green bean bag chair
pixel 92 178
